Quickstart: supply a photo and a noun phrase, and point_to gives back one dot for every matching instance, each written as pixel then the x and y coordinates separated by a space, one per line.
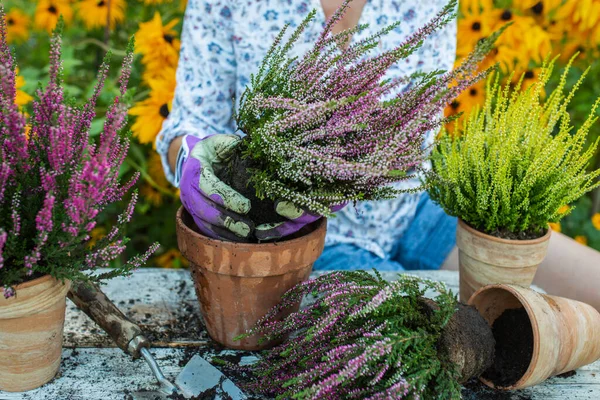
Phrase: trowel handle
pixel 92 301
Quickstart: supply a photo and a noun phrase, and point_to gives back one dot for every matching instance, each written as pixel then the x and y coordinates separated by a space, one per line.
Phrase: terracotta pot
pixel 31 333
pixel 566 333
pixel 237 283
pixel 485 259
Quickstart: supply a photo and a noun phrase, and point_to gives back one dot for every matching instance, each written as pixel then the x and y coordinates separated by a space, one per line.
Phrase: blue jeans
pixel 429 239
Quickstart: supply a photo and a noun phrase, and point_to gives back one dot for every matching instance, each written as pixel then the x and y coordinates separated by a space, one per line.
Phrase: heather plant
pixel 363 338
pixel 328 128
pixel 55 179
pixel 518 161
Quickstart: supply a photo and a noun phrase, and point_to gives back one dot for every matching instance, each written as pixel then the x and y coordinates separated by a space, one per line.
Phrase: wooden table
pixel 163 302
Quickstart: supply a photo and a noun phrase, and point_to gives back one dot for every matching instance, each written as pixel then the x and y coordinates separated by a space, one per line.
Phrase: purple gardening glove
pixel 217 209
pixel 297 219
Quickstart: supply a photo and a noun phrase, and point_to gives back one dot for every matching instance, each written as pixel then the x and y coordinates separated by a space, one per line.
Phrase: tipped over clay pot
pixel 238 283
pixel 31 333
pixel 564 333
pixel 485 259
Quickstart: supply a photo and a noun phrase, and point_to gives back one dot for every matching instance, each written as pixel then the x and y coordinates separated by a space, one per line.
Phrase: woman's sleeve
pixel 206 77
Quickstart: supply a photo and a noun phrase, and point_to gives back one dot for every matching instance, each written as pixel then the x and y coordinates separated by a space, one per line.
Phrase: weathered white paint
pixel 102 372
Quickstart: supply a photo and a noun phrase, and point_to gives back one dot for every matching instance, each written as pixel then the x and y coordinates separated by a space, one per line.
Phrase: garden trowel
pixel 198 377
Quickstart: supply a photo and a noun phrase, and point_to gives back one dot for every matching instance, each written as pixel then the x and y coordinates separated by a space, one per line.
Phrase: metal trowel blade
pixel 200 377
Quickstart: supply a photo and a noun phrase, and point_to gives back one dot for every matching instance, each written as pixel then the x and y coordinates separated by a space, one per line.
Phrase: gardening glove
pixel 297 218
pixel 217 209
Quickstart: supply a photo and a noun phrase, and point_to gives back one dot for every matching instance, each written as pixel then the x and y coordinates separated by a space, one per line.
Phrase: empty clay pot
pixel 566 333
pixel 485 259
pixel 238 283
pixel 31 333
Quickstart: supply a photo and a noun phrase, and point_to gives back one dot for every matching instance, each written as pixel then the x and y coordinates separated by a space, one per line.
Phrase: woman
pixel 223 42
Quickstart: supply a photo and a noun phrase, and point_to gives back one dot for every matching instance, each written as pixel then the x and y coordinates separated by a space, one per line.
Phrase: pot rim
pixel 31 283
pixel 524 242
pixel 320 225
pixel 534 327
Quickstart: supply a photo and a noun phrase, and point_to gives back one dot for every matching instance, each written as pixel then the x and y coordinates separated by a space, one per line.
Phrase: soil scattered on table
pixel 514 347
pixel 475 390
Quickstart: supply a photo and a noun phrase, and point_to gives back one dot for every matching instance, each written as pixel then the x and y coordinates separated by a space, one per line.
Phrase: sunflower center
pixel 473 92
pixel 455 104
pixel 168 38
pixel 164 111
pixel 529 74
pixel 506 15
pixel 101 3
pixel 10 21
pixel 52 9
pixel 538 8
pixel 476 26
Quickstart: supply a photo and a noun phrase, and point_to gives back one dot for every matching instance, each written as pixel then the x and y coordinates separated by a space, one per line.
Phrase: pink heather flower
pixel 54 185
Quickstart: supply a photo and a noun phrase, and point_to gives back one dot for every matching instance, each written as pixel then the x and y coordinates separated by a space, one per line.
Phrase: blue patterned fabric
pixel 425 245
pixel 223 42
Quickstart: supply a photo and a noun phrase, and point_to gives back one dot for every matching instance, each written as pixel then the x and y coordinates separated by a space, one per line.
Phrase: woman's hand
pixel 218 210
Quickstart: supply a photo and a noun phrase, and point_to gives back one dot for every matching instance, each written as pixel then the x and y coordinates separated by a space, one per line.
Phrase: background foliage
pixel 539 28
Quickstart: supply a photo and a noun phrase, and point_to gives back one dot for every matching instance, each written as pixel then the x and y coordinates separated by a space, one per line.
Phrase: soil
pixel 527 235
pixel 236 174
pixel 468 341
pixel 514 347
pixel 475 390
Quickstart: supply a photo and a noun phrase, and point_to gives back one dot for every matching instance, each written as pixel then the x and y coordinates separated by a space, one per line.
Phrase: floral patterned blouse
pixel 224 41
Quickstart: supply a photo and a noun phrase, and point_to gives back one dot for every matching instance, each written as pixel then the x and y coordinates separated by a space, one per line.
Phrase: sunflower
pixel 21 98
pixel 581 239
pixel 157 44
pixel 471 97
pixel 172 258
pixel 555 226
pixel 17 26
pixel 47 13
pixel 596 221
pixel 472 27
pixel 475 5
pixel 538 8
pixel 95 235
pixel 564 209
pixel 149 2
pixel 530 76
pixel 154 110
pixel 521 42
pixel 94 13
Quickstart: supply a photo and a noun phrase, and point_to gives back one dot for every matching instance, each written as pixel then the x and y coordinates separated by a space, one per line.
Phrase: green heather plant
pixel 363 338
pixel 518 161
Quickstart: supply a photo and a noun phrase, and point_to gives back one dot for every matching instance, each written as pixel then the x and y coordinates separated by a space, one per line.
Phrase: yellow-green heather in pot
pixel 507 174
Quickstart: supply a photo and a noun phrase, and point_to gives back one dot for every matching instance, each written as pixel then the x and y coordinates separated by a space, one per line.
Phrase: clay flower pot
pixel 31 333
pixel 566 333
pixel 485 259
pixel 238 283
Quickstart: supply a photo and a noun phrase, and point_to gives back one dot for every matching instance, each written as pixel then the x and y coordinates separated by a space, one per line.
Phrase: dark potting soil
pixel 514 347
pixel 527 235
pixel 236 174
pixel 475 390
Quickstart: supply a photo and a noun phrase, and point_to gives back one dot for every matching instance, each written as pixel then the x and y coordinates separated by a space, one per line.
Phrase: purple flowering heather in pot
pixel 54 181
pixel 327 128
